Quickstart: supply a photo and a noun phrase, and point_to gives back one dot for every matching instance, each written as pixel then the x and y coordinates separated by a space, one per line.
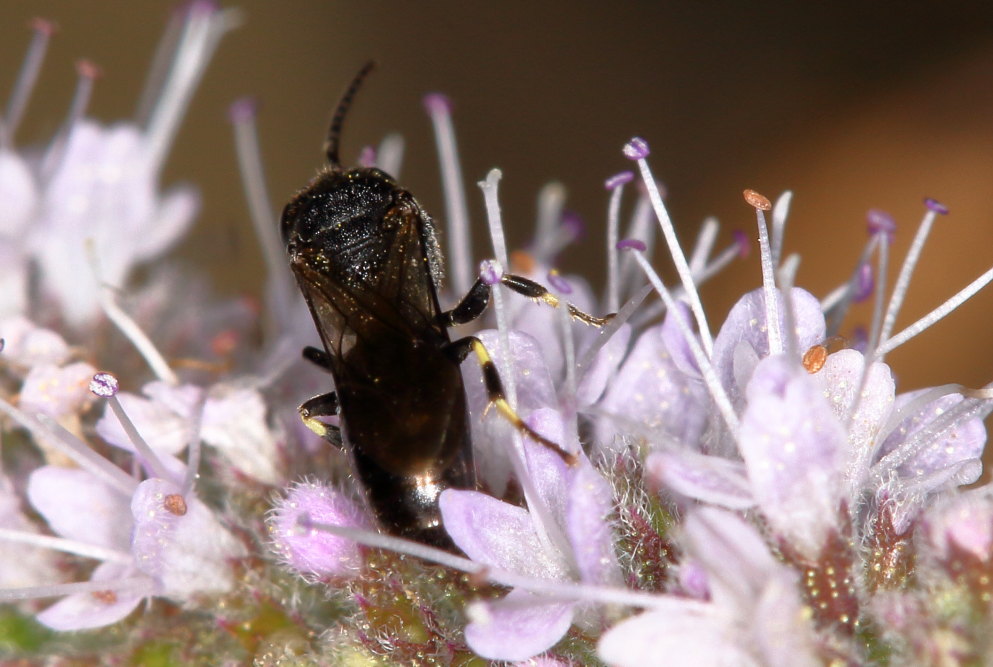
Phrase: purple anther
pixel 631 244
pixel 560 284
pixel 936 206
pixel 437 103
pixel 104 385
pixel 636 149
pixel 865 283
pixel 490 271
pixel 617 180
pixel 243 110
pixel 880 222
pixel 743 242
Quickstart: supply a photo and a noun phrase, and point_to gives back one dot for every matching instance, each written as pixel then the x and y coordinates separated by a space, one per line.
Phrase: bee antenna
pixel 334 132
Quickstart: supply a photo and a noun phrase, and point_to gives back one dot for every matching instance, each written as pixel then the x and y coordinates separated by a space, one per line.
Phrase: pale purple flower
pixel 96 188
pixel 306 549
pixel 754 615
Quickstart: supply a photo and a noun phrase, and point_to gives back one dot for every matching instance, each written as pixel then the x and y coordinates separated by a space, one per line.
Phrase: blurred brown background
pixel 852 105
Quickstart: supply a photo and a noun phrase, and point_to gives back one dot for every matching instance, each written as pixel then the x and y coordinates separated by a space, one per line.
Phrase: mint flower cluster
pixel 753 491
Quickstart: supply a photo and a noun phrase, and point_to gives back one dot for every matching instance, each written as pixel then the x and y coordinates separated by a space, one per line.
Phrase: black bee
pixel 366 257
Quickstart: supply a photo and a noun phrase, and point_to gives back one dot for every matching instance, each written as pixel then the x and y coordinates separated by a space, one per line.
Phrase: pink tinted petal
pixel 173 217
pixel 710 479
pixel 650 393
pixel 314 551
pixel 21 564
pixel 82 611
pixel 181 399
pixel 792 444
pixel 186 550
pixel 734 555
pixel 57 392
pixel 594 381
pixel 234 421
pixel 781 628
pixel 550 475
pixel 675 342
pixel 840 379
pixel 78 506
pixel 18 193
pixel 163 430
pixel 746 324
pixel 28 345
pixel 491 435
pixel 966 520
pixel 956 445
pixel 518 626
pixel 495 533
pixel 588 512
pixel 685 632
pixel 543 324
pixel 531 377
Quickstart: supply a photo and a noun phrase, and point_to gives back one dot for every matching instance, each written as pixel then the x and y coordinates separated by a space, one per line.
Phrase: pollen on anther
pixel 174 503
pixel 636 149
pixel 757 200
pixel 104 385
pixel 88 69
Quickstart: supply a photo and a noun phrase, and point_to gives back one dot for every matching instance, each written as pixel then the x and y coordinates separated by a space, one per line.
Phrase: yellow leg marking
pixel 499 401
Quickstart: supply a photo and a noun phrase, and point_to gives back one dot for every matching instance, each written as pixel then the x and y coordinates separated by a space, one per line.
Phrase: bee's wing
pixel 400 303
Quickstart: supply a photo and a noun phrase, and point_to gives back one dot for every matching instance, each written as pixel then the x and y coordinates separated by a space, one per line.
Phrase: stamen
pixel 545 526
pixel 281 294
pixel 550 589
pixel 703 360
pixel 159 68
pixel 439 108
pixel 760 204
pixel 704 245
pixel 779 213
pixel 367 157
pixel 26 79
pixel 567 396
pixel 932 432
pixel 640 227
pixel 87 74
pixel 389 155
pixel 143 585
pixel 47 430
pixel 145 452
pixel 787 278
pixel 202 31
pixel 616 186
pixel 903 280
pixel 605 333
pixel 551 199
pixel 194 448
pixel 637 149
pixel 64 545
pixel 138 338
pixel 935 315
